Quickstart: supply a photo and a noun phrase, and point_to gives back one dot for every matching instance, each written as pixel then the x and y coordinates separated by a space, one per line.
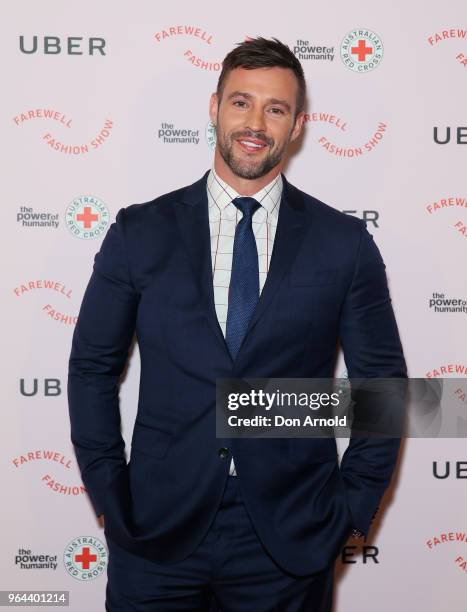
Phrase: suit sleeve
pixel 101 340
pixel 372 349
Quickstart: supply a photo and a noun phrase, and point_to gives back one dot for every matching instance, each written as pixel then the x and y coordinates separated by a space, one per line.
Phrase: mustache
pixel 249 134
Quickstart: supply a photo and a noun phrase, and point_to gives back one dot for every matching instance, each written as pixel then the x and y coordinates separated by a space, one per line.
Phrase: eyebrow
pixel 248 96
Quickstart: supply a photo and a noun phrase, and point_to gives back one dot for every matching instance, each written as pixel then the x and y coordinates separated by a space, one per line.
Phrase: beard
pixel 249 169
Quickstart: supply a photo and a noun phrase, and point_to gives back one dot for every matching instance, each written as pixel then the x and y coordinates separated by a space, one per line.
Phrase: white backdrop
pixel 78 124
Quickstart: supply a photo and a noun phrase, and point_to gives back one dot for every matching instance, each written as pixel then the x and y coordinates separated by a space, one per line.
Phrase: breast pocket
pixel 307 276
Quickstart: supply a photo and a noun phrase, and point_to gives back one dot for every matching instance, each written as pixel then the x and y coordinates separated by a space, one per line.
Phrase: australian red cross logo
pixel 56 144
pixel 87 217
pixel 191 31
pixel 85 558
pixel 211 135
pixel 361 50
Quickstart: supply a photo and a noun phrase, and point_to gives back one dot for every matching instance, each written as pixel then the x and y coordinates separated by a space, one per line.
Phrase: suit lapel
pixel 193 221
pixel 291 226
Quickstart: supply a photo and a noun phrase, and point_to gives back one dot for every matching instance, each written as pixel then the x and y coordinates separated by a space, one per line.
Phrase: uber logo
pixel 459 470
pixel 52 387
pixel 369 216
pixel 72 45
pixel 461 135
pixel 368 553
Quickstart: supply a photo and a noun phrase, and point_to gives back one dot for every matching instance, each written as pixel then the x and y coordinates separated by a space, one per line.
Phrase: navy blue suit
pixel 153 276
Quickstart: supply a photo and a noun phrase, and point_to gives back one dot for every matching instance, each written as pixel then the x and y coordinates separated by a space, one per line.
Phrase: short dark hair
pixel 263 53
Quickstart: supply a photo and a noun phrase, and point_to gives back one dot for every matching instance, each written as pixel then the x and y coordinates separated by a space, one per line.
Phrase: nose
pixel 255 119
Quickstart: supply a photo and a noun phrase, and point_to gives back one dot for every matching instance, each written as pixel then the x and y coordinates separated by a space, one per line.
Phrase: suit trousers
pixel 229 571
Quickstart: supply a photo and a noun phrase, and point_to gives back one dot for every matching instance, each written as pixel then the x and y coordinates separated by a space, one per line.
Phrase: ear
pixel 299 121
pixel 213 108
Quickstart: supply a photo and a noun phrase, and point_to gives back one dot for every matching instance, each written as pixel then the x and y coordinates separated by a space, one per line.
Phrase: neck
pixel 243 186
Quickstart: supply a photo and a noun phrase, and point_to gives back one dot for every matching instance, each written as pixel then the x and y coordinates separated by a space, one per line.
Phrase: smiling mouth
pixel 251 146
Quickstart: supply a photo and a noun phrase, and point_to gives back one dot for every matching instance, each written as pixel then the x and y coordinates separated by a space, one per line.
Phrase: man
pixel 238 275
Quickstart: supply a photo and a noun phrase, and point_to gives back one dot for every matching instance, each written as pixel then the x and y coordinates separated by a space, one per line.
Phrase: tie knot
pixel 247 205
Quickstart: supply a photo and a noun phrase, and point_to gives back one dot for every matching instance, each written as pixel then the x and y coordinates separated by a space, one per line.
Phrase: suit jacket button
pixel 223 452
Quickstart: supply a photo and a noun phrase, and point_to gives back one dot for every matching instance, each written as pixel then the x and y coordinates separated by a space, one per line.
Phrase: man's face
pixel 255 119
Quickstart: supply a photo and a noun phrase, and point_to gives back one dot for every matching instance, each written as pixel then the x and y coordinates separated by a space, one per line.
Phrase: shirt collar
pixel 222 194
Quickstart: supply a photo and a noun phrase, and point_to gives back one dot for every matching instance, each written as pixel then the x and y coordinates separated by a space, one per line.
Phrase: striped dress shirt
pixel 223 219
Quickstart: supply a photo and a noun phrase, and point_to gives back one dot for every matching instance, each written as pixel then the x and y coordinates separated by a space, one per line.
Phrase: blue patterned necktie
pixel 244 280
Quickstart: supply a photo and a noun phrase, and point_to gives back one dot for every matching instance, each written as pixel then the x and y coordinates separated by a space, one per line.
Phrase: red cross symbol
pixel 362 50
pixel 87 217
pixel 85 558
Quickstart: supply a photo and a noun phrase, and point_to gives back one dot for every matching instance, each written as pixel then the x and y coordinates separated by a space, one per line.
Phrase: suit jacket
pixel 153 276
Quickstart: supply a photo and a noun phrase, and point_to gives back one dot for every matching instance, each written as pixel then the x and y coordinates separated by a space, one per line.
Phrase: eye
pixel 277 111
pixel 241 103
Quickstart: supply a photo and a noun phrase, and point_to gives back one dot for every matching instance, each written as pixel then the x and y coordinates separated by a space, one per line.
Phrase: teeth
pixel 251 144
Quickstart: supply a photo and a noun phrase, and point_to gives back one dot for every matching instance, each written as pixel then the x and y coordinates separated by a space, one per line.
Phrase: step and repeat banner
pixel 105 104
